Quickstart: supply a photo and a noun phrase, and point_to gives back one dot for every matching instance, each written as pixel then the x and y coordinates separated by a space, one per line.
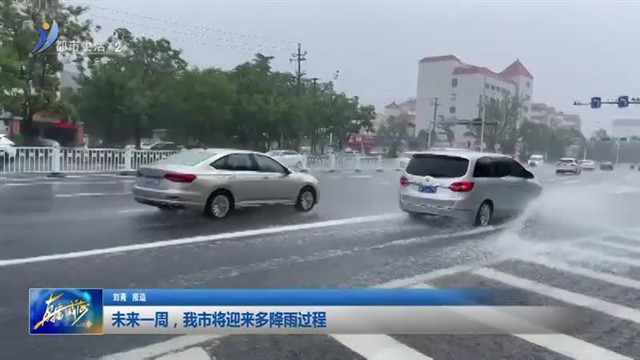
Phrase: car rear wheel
pixel 306 199
pixel 219 204
pixel 484 214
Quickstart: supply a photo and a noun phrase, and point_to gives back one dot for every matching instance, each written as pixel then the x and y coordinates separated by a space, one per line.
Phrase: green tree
pixel 130 87
pixel 501 123
pixel 394 131
pixel 200 106
pixel 28 81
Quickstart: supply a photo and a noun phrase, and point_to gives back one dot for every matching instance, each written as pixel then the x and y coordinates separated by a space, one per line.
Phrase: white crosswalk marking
pixel 559 343
pixel 615 310
pixel 162 348
pixel 634 250
pixel 559 265
pixel 599 255
pixel 379 347
pixel 190 354
pixel 384 347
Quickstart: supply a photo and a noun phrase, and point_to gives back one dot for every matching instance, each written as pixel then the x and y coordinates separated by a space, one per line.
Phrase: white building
pixel 625 128
pixel 459 87
pixel 542 113
pixel 407 107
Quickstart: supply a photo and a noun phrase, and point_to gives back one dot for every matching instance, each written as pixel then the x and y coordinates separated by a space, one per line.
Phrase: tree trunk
pixel 136 133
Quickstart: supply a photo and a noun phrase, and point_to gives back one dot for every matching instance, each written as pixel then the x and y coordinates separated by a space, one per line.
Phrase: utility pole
pixel 433 122
pixel 298 57
pixel 484 107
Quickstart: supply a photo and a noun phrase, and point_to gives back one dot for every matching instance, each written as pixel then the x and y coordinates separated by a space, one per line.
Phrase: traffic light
pixel 623 101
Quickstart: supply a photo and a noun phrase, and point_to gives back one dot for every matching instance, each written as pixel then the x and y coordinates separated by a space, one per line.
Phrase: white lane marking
pixel 70 183
pixel 625 190
pixel 420 239
pixel 131 211
pixel 560 343
pixel 181 342
pixel 201 239
pixel 360 176
pixel 572 182
pixel 589 254
pixel 157 349
pixel 430 276
pixel 635 250
pixel 615 310
pixel 24 179
pixel 379 347
pixel 559 265
pixel 90 194
pixel 195 353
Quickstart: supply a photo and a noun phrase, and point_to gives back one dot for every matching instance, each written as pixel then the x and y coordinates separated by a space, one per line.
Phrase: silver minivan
pixel 472 186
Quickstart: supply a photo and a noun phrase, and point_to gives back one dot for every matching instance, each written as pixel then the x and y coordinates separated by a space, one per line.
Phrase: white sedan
pixel 587 164
pixel 289 158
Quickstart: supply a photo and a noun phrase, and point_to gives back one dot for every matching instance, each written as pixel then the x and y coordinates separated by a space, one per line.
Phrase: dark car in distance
pixel 606 166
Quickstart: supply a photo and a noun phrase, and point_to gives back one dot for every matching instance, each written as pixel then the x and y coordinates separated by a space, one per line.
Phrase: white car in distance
pixel 535 160
pixel 289 158
pixel 589 165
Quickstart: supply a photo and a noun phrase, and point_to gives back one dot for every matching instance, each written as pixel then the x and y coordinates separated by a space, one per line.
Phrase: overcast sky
pixel 574 50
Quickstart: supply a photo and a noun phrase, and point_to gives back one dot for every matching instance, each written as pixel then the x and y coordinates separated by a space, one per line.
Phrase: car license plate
pixel 151 183
pixel 428 189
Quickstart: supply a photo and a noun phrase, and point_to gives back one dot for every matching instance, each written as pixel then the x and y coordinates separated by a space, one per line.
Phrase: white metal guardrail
pixel 70 160
pixel 52 160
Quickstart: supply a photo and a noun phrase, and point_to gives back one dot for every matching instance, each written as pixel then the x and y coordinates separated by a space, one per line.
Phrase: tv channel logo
pixel 65 311
pixel 48 36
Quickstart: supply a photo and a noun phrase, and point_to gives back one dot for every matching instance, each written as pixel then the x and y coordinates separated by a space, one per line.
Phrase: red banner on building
pixel 358 141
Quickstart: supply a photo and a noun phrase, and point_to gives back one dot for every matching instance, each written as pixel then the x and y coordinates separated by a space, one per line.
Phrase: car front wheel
pixel 306 199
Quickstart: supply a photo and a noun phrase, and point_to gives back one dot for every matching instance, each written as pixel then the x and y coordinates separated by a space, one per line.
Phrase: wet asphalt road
pixel 585 226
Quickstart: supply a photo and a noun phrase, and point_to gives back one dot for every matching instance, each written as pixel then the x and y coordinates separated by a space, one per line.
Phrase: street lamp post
pixel 432 124
pixel 484 101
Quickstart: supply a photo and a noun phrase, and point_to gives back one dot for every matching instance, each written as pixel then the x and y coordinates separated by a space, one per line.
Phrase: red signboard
pixel 358 141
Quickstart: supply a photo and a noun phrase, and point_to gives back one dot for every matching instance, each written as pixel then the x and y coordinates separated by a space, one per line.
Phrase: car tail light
pixel 178 177
pixel 404 181
pixel 461 186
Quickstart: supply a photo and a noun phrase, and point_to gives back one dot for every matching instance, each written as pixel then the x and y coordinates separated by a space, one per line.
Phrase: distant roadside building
pixel 625 128
pixel 459 88
pixel 542 113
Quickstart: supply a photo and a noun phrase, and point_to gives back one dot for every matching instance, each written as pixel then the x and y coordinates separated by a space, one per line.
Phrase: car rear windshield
pixel 438 166
pixel 566 161
pixel 188 157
